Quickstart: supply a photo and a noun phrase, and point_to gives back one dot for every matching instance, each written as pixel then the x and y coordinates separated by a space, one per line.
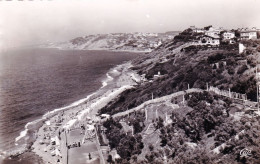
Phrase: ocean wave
pixel 115 71
pixel 30 127
pixel 105 82
pixel 36 124
pixel 22 134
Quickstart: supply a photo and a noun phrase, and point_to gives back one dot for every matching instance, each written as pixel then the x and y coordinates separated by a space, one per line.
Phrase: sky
pixel 40 21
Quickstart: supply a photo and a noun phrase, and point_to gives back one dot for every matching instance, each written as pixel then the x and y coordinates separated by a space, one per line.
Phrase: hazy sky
pixel 31 22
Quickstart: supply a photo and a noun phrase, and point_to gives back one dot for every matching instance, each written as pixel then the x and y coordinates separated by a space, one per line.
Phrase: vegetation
pixel 196 69
pixel 126 145
pixel 211 131
pixel 206 127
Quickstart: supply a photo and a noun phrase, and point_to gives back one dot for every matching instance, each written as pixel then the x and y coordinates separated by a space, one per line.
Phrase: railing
pixel 157 100
pixel 226 93
pixel 229 94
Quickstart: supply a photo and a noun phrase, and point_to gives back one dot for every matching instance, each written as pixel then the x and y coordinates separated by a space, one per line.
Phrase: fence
pixel 229 94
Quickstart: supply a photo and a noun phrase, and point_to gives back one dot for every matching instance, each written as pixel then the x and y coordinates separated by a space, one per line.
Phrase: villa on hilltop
pixel 212 36
pixel 246 33
pixel 228 35
pixel 212 40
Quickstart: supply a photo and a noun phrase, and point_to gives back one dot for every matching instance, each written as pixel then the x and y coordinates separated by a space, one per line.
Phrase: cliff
pixel 117 41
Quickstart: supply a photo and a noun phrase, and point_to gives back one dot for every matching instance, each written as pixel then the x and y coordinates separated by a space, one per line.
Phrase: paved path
pixel 102 160
pixel 166 98
pixel 157 100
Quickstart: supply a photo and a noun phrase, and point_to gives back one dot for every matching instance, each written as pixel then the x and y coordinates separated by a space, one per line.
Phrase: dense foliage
pixel 207 127
pixel 126 145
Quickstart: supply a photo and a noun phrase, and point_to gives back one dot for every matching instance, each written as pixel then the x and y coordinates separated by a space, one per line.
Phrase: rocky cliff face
pixel 118 41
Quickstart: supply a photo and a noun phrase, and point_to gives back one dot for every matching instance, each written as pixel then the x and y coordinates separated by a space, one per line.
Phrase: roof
pixel 245 30
pixel 229 32
pixel 217 37
pixel 248 31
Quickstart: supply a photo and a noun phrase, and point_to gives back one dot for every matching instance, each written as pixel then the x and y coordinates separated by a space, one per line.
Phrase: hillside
pixel 181 64
pixel 117 41
pixel 207 128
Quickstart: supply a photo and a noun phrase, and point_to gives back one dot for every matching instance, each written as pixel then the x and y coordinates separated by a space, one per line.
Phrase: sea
pixel 34 81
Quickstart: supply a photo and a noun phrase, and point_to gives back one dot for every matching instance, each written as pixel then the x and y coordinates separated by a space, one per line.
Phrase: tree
pixel 109 159
pixel 151 147
pixel 207 27
pixel 159 123
pixel 130 145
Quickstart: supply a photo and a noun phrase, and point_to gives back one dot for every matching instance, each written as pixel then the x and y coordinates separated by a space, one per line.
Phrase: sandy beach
pixel 69 135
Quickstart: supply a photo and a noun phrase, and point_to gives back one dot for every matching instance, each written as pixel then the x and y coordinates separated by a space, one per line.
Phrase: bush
pixel 215 58
pixel 231 70
pixel 130 145
pixel 242 69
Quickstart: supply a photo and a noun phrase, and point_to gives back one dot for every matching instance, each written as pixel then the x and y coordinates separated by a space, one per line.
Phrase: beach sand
pixel 73 127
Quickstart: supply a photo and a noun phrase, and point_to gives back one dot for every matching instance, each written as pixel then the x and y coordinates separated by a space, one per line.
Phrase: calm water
pixel 35 81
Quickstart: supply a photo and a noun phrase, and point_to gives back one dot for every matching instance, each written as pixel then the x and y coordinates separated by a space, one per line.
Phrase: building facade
pixel 248 35
pixel 208 40
pixel 228 35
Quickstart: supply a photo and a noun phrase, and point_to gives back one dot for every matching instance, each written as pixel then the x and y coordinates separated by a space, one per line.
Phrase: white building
pixel 249 34
pixel 209 40
pixel 197 30
pixel 228 35
pixel 213 31
pixel 241 48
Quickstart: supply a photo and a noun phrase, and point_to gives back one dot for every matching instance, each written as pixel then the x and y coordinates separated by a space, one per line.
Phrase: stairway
pixel 150 129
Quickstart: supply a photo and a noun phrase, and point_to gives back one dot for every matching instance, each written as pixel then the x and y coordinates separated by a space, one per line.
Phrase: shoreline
pixel 119 78
pixel 98 49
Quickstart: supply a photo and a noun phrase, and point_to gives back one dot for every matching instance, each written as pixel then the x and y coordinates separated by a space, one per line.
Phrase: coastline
pixel 98 49
pixel 60 121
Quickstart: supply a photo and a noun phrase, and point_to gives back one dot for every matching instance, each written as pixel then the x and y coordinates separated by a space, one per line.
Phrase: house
pixel 213 32
pixel 246 33
pixel 228 35
pixel 209 40
pixel 197 30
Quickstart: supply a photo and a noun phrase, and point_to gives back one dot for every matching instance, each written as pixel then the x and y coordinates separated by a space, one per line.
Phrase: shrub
pixel 215 58
pixel 242 69
pixel 230 70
